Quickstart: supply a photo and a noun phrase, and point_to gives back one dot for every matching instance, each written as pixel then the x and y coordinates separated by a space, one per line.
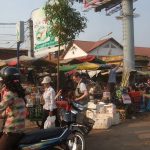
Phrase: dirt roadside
pixel 129 135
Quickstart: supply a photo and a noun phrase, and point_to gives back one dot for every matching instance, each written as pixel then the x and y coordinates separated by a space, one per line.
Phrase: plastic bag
pixel 50 122
pixel 126 99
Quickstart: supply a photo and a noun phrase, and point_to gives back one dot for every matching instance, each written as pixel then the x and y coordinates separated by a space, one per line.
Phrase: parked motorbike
pixel 64 138
pixel 72 113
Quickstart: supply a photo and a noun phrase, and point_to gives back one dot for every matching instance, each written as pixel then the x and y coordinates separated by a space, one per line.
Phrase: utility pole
pixel 20 38
pixel 18 47
pixel 128 35
pixel 31 40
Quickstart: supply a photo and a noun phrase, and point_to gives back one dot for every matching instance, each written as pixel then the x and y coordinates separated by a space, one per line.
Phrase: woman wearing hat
pixel 49 107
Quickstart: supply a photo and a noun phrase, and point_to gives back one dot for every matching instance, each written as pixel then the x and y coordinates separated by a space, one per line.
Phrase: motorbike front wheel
pixel 76 141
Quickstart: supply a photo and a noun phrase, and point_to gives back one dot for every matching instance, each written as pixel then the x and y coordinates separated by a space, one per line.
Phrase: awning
pixel 66 68
pixel 26 60
pixel 78 60
pixel 2 63
pixel 91 58
pixel 22 59
pixel 82 66
pixel 144 72
pixel 88 66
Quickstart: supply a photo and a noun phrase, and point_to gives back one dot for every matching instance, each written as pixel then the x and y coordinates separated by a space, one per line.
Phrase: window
pixel 73 50
pixel 113 46
pixel 106 46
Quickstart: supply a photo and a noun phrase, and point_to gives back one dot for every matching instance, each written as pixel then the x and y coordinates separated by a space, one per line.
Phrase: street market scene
pixel 63 90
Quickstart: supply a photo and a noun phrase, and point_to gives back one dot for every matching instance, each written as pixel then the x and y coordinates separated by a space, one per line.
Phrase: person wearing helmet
pixel 13 104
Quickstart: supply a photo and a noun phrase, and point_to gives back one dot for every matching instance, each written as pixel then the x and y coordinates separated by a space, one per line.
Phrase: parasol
pixel 88 66
pixel 2 63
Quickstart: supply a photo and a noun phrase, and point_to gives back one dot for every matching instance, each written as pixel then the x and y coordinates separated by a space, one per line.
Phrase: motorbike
pixel 69 137
pixel 64 138
pixel 72 113
pixel 74 125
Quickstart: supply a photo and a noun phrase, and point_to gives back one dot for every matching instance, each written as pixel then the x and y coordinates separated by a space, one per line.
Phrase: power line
pixel 8 34
pixel 5 43
pixel 7 40
pixel 11 27
pixel 7 23
pixel 13 45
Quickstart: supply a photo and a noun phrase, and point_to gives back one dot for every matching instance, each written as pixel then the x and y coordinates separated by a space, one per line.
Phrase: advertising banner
pixel 101 4
pixel 41 31
pixel 91 3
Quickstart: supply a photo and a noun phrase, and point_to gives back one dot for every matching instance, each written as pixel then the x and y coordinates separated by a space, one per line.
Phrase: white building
pixel 107 47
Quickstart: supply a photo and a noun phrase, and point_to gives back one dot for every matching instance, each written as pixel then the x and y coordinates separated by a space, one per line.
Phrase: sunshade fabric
pixel 2 63
pixel 89 58
pixel 66 68
pixel 82 66
pixel 88 66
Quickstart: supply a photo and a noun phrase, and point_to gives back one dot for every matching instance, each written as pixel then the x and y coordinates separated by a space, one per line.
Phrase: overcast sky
pixel 98 24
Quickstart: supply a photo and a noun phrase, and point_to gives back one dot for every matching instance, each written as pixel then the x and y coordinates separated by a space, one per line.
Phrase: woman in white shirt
pixel 49 107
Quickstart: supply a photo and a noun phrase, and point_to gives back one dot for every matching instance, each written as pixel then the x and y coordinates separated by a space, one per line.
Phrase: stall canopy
pixel 78 60
pixel 81 66
pixel 26 60
pixel 22 59
pixel 2 63
pixel 88 66
pixel 66 68
pixel 143 72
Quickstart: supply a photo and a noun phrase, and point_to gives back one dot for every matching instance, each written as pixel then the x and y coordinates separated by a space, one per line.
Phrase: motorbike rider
pixel 81 92
pixel 13 103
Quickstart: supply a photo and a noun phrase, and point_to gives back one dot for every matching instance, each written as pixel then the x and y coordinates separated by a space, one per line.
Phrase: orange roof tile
pixel 143 51
pixel 88 46
pixel 84 45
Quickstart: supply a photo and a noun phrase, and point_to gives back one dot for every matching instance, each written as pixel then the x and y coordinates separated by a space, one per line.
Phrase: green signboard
pixel 42 36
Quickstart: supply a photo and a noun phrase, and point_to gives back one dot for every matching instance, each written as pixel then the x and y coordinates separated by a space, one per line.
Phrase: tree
pixel 64 22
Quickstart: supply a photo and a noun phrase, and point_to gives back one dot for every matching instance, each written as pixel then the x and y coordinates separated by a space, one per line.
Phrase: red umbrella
pixel 87 58
pixel 12 63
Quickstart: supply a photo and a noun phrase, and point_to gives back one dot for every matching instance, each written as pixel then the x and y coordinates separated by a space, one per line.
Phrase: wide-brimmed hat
pixel 46 79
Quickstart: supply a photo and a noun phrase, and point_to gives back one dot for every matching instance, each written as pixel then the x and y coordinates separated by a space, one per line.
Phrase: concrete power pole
pixel 128 35
pixel 31 40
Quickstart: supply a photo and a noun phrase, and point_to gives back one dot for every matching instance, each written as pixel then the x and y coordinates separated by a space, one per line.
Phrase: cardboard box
pixel 102 123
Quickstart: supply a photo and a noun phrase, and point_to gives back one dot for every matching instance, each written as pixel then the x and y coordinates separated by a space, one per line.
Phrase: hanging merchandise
pixel 125 78
pixel 126 98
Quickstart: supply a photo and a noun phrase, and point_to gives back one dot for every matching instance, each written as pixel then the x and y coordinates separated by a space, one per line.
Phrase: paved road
pixel 129 135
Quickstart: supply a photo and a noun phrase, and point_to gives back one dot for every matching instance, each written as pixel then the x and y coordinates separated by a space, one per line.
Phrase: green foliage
pixel 65 22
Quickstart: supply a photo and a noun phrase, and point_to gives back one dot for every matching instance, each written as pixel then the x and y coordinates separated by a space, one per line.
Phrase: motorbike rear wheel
pixel 76 141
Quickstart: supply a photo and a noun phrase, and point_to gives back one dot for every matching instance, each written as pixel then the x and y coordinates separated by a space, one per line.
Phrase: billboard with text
pixel 41 31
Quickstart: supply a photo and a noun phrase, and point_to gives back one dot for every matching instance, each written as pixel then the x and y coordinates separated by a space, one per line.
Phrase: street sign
pixel 20 31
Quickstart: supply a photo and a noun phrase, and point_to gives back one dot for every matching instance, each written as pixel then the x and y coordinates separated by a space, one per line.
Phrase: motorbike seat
pixel 79 106
pixel 38 135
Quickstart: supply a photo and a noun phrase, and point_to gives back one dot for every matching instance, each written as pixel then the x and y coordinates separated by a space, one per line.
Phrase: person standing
pixel 112 81
pixel 81 92
pixel 13 104
pixel 49 107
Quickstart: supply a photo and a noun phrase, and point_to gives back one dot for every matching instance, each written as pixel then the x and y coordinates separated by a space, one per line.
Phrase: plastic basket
pixel 35 113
